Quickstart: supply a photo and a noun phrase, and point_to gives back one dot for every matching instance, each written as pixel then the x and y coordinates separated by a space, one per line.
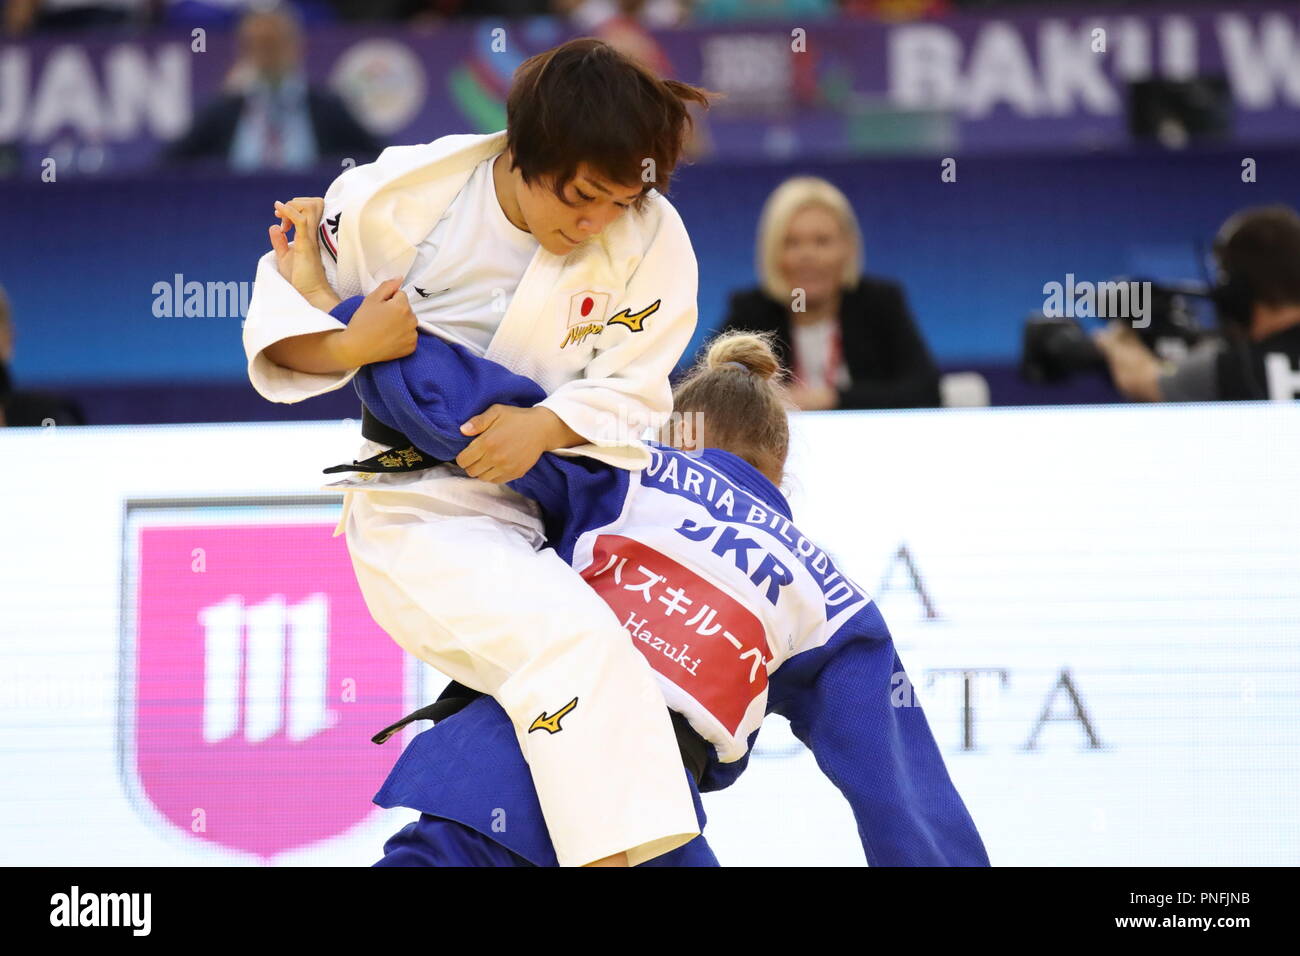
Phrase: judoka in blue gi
pixel 737 611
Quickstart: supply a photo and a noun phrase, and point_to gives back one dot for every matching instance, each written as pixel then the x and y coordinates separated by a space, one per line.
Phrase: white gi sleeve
pixel 625 387
pixel 278 311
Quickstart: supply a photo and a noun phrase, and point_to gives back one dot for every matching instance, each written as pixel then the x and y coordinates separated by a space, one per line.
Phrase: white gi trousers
pixel 456 579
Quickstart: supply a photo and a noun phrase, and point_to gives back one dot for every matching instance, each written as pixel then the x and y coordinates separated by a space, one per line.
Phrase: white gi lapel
pixel 548 303
pixel 397 207
pixel 512 344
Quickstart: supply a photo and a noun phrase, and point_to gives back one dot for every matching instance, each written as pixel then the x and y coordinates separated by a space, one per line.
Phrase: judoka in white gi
pixel 588 289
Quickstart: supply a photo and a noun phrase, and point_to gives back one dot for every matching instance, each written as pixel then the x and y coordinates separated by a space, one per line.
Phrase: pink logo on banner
pixel 694 634
pixel 259 679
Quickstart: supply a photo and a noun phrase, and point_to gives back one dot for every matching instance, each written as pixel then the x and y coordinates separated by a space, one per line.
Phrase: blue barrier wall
pixel 80 258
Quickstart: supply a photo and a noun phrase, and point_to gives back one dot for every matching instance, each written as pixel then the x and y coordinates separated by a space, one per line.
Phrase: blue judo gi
pixel 467 776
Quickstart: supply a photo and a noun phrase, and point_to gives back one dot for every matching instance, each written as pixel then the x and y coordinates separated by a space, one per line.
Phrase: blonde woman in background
pixel 848 339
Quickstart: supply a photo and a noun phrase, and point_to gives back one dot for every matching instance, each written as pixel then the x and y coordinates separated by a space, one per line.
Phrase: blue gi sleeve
pixel 430 393
pixel 851 704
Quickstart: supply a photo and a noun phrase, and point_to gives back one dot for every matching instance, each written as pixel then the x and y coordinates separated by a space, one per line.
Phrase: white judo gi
pixel 448 564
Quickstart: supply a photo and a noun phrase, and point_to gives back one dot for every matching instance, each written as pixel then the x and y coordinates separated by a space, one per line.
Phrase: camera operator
pixel 1258 303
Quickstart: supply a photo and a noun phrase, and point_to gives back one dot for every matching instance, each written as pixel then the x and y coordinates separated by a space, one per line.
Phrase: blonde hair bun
pixel 753 351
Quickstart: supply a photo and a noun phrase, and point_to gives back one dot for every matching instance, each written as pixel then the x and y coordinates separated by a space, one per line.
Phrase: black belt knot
pixel 402 455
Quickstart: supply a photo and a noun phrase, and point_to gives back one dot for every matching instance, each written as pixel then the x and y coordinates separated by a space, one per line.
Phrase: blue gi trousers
pixel 471 784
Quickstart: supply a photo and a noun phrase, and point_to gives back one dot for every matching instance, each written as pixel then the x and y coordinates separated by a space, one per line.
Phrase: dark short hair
pixel 583 101
pixel 1259 249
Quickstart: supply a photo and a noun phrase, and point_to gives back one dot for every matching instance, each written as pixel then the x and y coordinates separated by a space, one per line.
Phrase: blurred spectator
pixel 18 408
pixel 270 118
pixel 23 15
pixel 848 339
pixel 1258 301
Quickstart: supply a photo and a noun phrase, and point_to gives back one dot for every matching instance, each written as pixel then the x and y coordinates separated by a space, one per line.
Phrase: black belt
pixel 401 456
pixel 375 430
pixel 455 697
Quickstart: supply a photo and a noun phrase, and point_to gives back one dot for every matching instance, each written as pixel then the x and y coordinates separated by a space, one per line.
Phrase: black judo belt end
pixel 394 460
pixel 454 698
pixel 401 456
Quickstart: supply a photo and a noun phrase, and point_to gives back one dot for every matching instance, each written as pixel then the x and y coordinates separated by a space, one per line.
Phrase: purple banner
pixel 1052 81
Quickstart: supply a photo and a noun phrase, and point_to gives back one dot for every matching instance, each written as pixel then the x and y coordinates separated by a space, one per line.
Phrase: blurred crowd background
pixel 926 169
pixel 25 15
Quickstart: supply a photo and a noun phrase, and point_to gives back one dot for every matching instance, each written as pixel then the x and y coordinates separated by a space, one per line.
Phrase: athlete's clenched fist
pixel 510 440
pixel 383 328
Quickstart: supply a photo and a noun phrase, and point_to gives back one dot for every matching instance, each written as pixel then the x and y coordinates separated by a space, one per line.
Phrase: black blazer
pixel 337 131
pixel 888 361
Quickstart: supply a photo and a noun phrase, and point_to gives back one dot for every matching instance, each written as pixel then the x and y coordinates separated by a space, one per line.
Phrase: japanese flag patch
pixel 586 316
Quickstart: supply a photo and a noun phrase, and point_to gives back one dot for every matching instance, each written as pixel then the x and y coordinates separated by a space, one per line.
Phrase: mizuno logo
pixel 552 724
pixel 424 294
pixel 634 320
